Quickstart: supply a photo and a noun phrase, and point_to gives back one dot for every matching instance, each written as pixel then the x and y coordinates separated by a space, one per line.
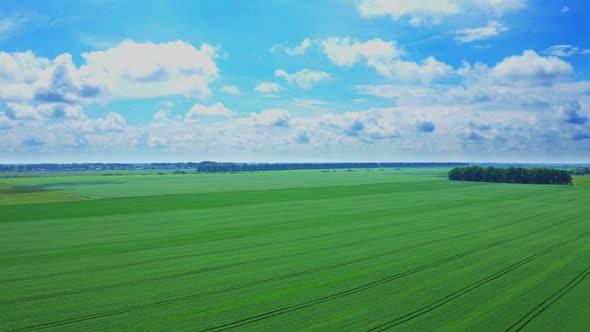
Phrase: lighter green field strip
pixel 582 180
pixel 11 194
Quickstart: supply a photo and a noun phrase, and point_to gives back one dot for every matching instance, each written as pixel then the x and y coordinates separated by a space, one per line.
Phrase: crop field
pixel 581 180
pixel 361 250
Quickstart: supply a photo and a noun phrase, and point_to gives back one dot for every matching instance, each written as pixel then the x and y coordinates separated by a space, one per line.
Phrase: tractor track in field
pixel 331 234
pixel 278 311
pixel 536 311
pixel 248 320
pixel 434 305
pixel 112 267
pixel 148 261
pixel 254 283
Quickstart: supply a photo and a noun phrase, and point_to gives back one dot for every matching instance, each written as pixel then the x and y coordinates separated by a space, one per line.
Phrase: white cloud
pixel 61 111
pixel 112 122
pixel 128 70
pixel 147 70
pixel 21 112
pixel 345 52
pixel 383 56
pixel 16 92
pixel 271 118
pixel 5 122
pixel 161 115
pixel 565 9
pixel 493 28
pixel 293 51
pixel 565 51
pixel 21 66
pixel 308 103
pixel 434 11
pixel 304 78
pixel 532 68
pixel 63 82
pixel 231 89
pixel 215 110
pixel 417 10
pixel 426 71
pixel 269 88
pixel 370 125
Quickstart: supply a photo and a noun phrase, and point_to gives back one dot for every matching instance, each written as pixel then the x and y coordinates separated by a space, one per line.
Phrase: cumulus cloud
pixel 346 52
pixel 231 89
pixel 62 82
pixel 368 126
pixel 426 71
pixel 269 88
pixel 565 51
pixel 492 29
pixel 146 70
pixel 417 10
pixel 425 126
pixel 128 70
pixel 528 81
pixel 5 122
pixel 21 112
pixel 271 118
pixel 532 68
pixel 304 78
pixel 16 92
pixel 570 113
pixel 383 56
pixel 32 142
pixel 17 71
pixel 161 115
pixel 217 110
pixel 434 11
pixel 36 88
pixel 21 66
pixel 61 111
pixel 112 122
pixel 295 50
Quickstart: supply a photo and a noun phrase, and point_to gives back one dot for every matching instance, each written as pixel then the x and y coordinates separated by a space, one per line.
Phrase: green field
pixel 581 180
pixel 296 250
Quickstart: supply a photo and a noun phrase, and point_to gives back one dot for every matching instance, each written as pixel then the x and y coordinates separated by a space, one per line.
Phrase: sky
pixel 297 81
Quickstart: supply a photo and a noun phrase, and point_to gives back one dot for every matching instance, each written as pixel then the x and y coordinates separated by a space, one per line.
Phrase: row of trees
pixel 209 166
pixel 511 175
pixel 581 171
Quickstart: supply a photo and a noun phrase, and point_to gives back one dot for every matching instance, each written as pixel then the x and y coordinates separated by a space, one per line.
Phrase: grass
pixel 149 185
pixel 581 180
pixel 14 194
pixel 294 251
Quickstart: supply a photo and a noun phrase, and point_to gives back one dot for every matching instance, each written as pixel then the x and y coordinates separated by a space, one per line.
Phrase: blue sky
pixel 332 80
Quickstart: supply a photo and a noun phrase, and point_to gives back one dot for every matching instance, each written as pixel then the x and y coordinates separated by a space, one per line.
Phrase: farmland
pixel 393 249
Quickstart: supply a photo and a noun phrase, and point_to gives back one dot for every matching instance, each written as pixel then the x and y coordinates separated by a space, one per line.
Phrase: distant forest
pixel 581 171
pixel 209 166
pixel 511 175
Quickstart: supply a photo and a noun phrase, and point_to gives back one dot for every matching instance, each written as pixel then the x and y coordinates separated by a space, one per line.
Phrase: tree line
pixel 511 175
pixel 580 171
pixel 208 166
